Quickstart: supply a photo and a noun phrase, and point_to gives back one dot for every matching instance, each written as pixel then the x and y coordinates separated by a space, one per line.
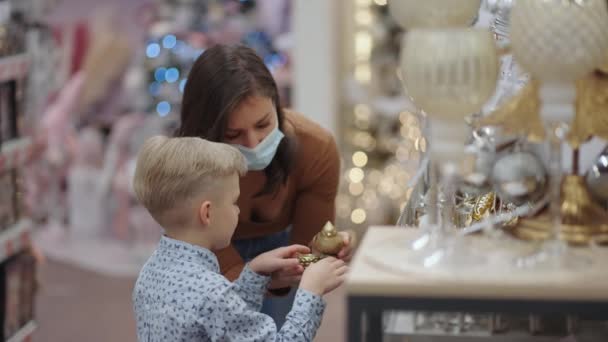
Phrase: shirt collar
pixel 186 251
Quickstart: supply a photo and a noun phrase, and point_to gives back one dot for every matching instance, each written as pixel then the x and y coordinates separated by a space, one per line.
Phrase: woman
pixel 290 190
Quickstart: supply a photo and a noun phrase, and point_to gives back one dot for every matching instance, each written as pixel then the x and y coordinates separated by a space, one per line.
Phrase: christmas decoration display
pixel 516 182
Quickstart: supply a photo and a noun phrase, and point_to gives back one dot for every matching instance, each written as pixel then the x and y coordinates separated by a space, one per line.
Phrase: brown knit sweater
pixel 306 201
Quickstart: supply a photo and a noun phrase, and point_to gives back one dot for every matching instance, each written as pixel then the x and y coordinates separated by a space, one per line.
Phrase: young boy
pixel 190 186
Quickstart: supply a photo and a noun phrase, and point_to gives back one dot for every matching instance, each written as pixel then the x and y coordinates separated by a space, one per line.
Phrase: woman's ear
pixel 204 213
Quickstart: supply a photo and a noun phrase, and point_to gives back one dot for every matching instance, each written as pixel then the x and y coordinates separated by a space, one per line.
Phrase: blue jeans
pixel 275 307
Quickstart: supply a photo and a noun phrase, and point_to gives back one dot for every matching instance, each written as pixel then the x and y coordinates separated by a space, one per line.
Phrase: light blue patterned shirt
pixel 181 296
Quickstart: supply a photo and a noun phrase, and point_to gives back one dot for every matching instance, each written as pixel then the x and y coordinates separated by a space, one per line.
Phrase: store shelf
pixel 14 67
pixel 14 153
pixel 24 334
pixel 14 239
pixel 400 326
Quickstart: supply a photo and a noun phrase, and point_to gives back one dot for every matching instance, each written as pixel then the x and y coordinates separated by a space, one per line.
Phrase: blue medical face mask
pixel 259 157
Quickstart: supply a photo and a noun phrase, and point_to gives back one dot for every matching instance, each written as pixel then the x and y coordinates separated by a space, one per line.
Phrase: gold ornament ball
pixel 328 241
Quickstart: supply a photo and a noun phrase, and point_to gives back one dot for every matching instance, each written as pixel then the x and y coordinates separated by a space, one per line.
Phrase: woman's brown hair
pixel 221 79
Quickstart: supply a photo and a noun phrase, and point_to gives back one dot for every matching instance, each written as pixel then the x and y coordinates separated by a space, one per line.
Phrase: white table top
pixel 383 266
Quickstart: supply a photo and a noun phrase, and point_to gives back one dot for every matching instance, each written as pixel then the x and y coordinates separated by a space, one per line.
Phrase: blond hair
pixel 170 171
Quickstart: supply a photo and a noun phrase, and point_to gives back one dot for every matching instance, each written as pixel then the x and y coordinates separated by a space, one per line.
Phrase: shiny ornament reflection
pixel 519 177
pixel 597 178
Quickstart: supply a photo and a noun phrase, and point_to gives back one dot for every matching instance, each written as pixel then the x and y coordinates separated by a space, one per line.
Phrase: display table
pixel 382 279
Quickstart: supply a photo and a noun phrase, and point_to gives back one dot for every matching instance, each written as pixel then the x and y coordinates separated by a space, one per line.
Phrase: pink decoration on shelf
pixel 55 132
pixel 56 125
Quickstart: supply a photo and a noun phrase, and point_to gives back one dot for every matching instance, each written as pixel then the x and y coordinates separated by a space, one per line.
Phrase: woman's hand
pixel 350 243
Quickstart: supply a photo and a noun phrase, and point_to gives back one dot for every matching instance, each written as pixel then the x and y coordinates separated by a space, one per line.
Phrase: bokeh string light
pixel 381 152
pixel 173 46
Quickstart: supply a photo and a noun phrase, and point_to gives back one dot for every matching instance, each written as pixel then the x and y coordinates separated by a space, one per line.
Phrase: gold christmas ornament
pixel 592 110
pixel 471 210
pixel 328 241
pixel 308 259
pixel 483 206
pixel 582 219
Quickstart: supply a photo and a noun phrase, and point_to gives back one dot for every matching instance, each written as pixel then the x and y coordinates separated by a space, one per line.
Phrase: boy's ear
pixel 204 213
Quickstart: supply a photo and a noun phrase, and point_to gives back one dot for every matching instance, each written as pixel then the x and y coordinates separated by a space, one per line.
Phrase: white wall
pixel 316 29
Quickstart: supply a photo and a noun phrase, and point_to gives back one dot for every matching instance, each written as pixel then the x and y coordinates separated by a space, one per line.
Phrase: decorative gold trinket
pixel 308 259
pixel 328 241
pixel 483 206
pixel 475 209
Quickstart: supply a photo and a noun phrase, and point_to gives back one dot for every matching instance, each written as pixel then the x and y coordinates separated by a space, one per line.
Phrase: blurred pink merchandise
pixel 57 134
pixel 132 17
pixel 56 124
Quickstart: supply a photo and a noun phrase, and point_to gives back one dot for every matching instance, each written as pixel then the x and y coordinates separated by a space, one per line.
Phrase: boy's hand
pixel 324 276
pixel 286 277
pixel 283 258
